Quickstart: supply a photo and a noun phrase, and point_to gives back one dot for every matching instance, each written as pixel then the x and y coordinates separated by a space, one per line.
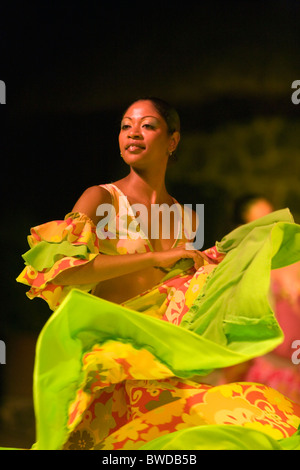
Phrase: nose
pixel 135 132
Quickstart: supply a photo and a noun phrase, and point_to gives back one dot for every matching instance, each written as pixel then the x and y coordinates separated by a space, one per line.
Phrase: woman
pixel 123 368
pixel 146 142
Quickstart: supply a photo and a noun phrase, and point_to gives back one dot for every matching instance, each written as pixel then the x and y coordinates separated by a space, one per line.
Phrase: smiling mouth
pixel 134 146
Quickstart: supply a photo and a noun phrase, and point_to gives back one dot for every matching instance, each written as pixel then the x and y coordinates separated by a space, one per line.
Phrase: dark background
pixel 70 71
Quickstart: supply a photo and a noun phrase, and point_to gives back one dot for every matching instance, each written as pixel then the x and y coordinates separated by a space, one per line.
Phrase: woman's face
pixel 144 137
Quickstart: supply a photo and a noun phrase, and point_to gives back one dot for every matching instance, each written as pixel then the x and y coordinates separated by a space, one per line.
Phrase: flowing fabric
pixel 276 369
pixel 131 376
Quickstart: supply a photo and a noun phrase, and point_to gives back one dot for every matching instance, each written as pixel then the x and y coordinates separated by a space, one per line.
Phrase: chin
pixel 135 160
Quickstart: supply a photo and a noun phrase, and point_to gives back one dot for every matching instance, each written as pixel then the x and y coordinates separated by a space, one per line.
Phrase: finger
pixel 199 262
pixel 209 260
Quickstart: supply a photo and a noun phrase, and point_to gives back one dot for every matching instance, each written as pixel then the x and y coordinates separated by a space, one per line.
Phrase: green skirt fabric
pixel 114 377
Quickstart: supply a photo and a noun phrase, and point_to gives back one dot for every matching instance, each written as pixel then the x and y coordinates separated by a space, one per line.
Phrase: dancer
pixel 140 320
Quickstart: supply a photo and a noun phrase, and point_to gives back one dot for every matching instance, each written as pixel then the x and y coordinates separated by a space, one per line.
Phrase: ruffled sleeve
pixel 54 247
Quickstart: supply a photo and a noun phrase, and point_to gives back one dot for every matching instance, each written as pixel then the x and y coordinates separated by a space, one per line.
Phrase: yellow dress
pixel 130 376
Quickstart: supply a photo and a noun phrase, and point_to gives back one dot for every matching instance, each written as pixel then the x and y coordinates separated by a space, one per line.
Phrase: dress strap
pixel 110 188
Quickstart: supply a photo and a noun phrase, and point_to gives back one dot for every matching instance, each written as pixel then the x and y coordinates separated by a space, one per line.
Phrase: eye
pixel 149 126
pixel 124 127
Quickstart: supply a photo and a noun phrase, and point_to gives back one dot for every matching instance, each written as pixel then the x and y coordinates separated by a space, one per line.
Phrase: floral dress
pixel 132 376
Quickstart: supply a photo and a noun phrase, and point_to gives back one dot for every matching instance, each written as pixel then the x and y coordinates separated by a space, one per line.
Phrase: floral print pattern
pixel 129 398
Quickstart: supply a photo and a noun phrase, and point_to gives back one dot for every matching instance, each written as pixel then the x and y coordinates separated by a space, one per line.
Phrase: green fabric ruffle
pixel 229 323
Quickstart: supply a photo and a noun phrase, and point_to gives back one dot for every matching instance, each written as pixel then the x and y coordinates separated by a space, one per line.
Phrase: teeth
pixel 134 146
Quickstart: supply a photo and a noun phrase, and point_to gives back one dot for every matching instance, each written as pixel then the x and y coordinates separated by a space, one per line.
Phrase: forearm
pixel 104 267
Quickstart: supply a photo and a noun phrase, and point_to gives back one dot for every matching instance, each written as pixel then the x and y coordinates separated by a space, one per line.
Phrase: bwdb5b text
pixel 2 352
pixel 171 459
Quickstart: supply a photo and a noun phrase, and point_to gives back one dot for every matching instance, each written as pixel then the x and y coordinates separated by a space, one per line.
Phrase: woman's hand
pixel 165 259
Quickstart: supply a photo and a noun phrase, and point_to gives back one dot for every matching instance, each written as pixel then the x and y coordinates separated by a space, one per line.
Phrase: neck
pixel 149 186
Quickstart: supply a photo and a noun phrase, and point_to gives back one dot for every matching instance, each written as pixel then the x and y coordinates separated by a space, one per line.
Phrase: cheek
pixel 160 142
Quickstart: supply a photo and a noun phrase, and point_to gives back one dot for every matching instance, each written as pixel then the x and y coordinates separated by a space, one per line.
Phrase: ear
pixel 174 141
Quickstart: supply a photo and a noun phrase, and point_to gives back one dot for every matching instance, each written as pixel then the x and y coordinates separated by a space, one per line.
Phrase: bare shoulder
pixel 90 199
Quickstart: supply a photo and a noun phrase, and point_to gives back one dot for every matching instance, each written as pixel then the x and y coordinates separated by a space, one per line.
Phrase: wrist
pixel 153 259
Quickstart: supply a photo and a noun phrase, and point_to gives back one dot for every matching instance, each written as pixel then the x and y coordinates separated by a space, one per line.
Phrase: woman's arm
pixel 105 267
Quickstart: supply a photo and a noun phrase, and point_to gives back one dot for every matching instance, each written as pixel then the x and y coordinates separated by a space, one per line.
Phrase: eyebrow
pixel 144 117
